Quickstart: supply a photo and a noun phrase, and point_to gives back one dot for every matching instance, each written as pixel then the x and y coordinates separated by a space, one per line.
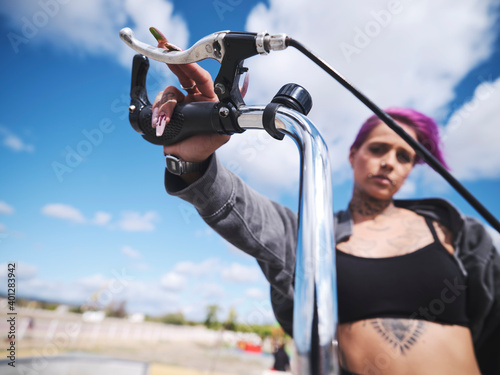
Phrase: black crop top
pixel 424 284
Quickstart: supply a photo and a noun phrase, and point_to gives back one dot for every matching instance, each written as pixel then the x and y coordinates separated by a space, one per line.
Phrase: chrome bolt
pixel 220 89
pixel 224 112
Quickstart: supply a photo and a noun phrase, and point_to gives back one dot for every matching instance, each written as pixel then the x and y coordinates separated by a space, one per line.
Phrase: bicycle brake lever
pixel 229 48
pixel 209 47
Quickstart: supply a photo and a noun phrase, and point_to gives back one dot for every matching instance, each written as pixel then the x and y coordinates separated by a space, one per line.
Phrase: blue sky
pixel 83 209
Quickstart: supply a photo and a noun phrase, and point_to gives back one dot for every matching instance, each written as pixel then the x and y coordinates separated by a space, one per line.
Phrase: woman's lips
pixel 382 179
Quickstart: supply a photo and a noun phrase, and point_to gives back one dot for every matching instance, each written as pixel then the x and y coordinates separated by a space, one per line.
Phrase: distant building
pixel 136 318
pixel 93 316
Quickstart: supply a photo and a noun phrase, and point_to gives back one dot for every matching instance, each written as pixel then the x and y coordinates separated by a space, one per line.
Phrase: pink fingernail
pixel 154 119
pixel 161 127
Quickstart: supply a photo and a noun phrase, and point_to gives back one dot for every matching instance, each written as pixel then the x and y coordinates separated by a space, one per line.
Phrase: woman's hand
pixel 199 87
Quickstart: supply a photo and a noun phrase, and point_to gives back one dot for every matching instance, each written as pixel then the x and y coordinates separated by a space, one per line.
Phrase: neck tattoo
pixel 365 205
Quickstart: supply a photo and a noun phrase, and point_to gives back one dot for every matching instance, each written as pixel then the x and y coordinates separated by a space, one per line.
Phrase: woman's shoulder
pixel 437 209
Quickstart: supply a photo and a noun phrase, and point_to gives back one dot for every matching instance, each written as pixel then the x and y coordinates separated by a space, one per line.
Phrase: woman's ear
pixel 352 153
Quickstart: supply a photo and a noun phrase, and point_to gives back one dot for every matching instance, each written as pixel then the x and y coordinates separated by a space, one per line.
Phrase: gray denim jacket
pixel 268 231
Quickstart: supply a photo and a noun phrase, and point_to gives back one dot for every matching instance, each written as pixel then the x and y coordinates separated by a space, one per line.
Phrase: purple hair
pixel 424 126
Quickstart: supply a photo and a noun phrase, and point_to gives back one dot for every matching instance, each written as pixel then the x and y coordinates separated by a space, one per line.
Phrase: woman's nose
pixel 388 161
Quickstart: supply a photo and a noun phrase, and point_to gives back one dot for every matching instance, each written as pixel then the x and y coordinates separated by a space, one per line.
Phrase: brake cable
pixel 230 49
pixel 417 146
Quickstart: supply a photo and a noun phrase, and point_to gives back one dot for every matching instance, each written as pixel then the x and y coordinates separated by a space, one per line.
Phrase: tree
pixel 211 320
pixel 230 324
pixel 174 318
pixel 117 309
pixel 263 331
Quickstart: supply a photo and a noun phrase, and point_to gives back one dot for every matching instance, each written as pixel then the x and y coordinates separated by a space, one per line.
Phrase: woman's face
pixel 383 162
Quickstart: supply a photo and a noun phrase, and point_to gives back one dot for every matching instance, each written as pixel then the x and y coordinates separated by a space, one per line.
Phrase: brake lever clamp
pixel 238 47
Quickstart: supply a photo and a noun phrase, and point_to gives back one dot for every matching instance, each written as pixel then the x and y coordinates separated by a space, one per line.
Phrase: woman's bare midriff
pixel 389 346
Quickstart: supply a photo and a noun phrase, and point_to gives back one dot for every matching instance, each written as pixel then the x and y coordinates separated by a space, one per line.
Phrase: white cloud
pixel 142 266
pixel 131 253
pixel 151 298
pixel 101 218
pixel 63 211
pixel 277 162
pixel 97 289
pixel 240 274
pixel 23 271
pixel 405 59
pixel 256 293
pixel 472 135
pixel 207 232
pixel 129 221
pixel 211 291
pixel 5 208
pixel 259 312
pixel 12 141
pixel 45 290
pixel 173 281
pixel 209 266
pixel 407 190
pixel 93 283
pixel 92 26
pixel 137 222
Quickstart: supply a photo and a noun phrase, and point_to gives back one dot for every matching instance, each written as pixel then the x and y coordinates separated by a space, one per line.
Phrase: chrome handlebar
pixel 315 306
pixel 315 267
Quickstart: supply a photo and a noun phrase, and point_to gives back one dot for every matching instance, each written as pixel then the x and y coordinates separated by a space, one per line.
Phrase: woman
pixel 418 283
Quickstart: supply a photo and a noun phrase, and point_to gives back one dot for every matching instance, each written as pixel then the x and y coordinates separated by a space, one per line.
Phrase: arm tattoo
pixel 402 334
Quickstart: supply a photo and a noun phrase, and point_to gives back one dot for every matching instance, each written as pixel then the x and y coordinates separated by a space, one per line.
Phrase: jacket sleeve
pixel 482 262
pixel 260 227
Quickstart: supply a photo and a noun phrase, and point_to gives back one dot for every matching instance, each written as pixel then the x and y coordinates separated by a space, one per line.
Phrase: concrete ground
pixel 61 343
pixel 91 364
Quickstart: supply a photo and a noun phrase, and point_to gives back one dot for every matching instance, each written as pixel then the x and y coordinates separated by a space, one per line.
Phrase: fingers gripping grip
pixel 187 120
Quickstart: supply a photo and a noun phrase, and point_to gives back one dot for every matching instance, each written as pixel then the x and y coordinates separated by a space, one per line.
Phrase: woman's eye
pixel 405 158
pixel 375 149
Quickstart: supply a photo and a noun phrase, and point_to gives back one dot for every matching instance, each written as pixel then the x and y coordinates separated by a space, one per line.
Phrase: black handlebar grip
pixel 187 120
